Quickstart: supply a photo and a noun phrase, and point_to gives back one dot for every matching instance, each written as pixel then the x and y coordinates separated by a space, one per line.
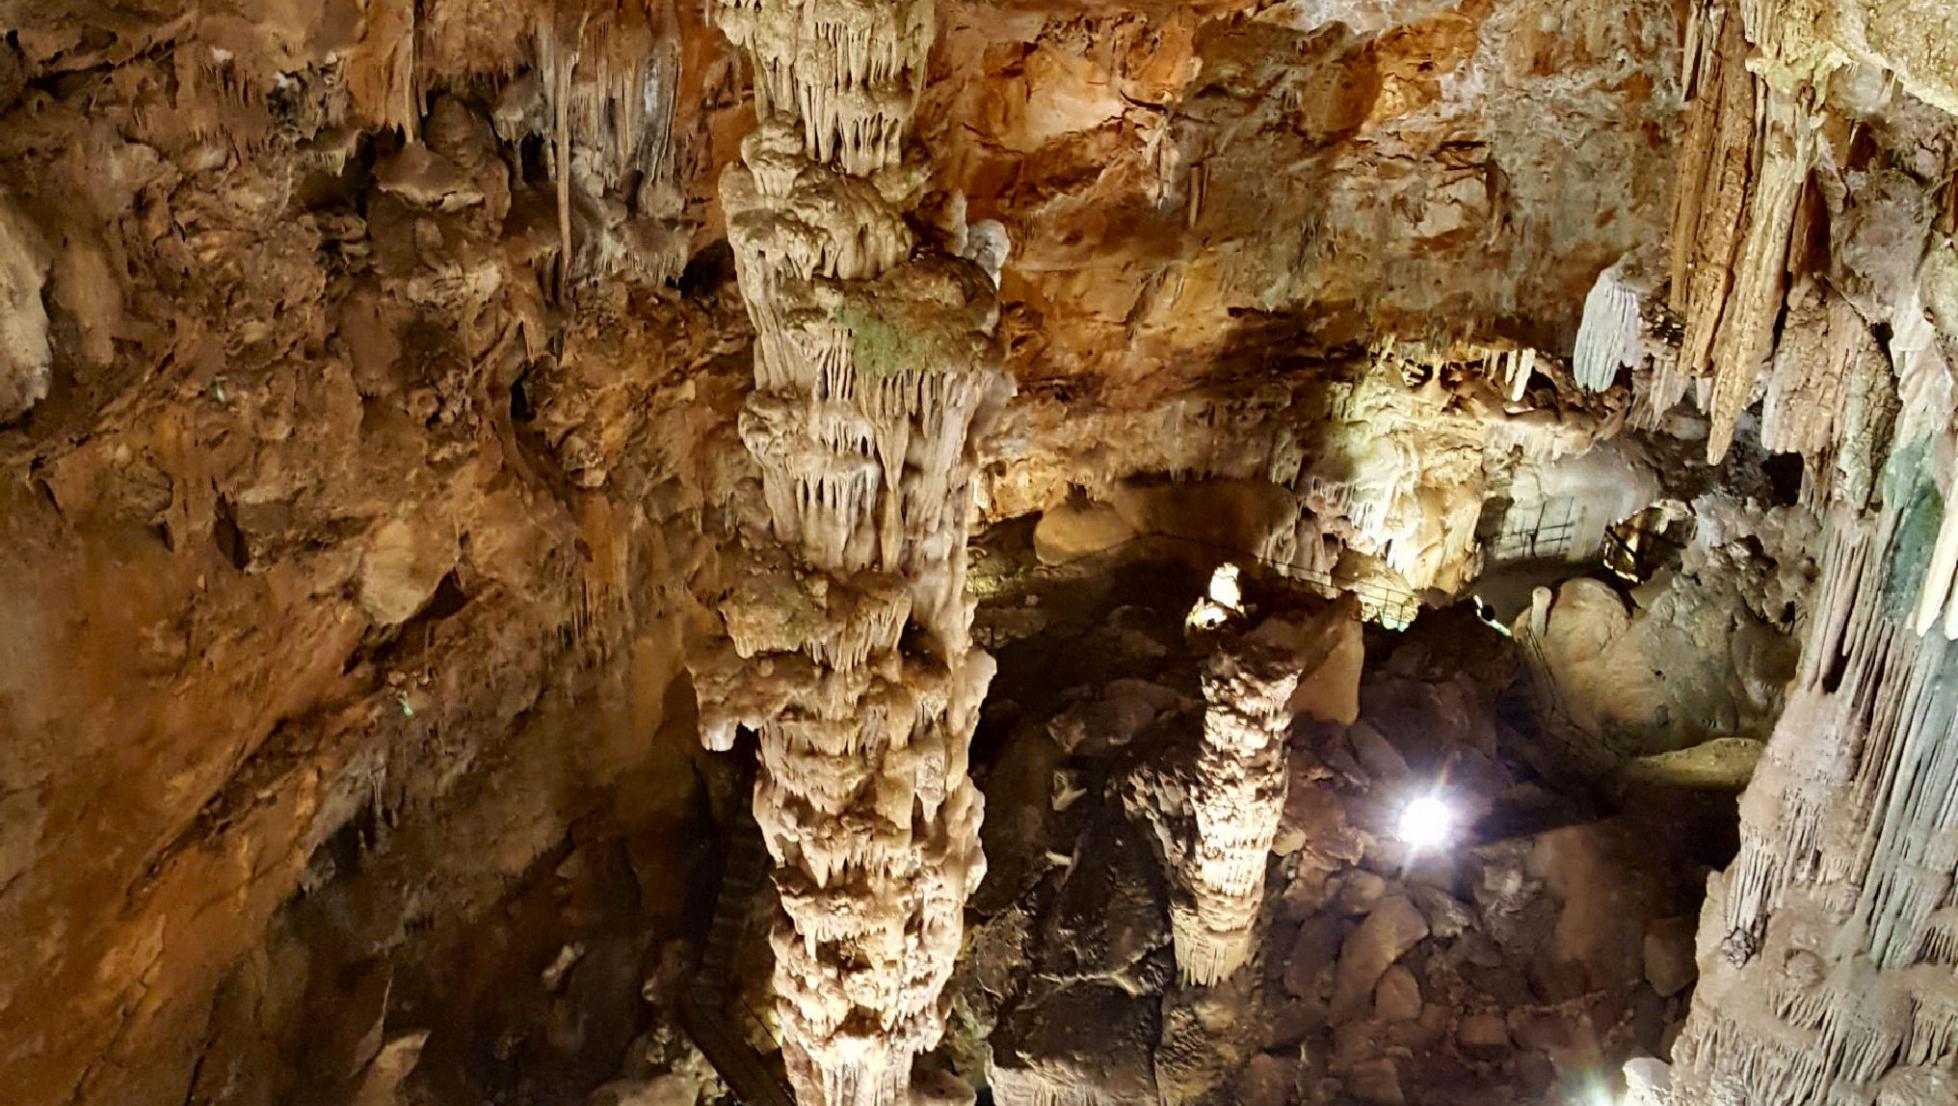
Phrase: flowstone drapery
pixel 850 631
pixel 1827 949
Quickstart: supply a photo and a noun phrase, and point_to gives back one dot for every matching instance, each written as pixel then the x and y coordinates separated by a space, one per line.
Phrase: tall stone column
pixel 874 360
pixel 1237 787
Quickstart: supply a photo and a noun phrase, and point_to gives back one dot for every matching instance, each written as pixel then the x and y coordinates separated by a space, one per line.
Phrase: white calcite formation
pixel 1379 475
pixel 1413 448
pixel 24 358
pixel 1612 334
pixel 853 662
pixel 1828 951
pixel 1236 791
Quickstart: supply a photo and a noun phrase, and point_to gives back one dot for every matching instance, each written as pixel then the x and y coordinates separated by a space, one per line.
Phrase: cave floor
pixel 1524 963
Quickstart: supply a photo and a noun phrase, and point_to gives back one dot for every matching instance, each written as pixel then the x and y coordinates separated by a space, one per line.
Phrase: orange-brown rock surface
pixel 400 416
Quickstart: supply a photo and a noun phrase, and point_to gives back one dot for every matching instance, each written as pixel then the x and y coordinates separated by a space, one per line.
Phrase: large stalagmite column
pixel 1237 791
pixel 873 361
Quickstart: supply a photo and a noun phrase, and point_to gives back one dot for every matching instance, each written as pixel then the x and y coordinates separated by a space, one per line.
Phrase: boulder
pixel 1392 928
pixel 1377 1081
pixel 1376 755
pixel 1648 1082
pixel 1070 532
pixel 1669 955
pixel 1486 1030
pixel 1314 949
pixel 1268 1081
pixel 1360 892
pixel 1397 997
pixel 403 565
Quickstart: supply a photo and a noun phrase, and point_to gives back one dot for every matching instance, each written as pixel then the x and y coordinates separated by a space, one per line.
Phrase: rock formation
pixel 1237 787
pixel 423 422
pixel 874 366
pixel 1825 961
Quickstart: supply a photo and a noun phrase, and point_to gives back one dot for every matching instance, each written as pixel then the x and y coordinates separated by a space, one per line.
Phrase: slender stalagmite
pixel 1237 791
pixel 874 362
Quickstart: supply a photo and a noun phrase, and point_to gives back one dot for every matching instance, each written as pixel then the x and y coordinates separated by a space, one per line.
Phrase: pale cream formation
pixel 874 361
pixel 1828 951
pixel 1237 794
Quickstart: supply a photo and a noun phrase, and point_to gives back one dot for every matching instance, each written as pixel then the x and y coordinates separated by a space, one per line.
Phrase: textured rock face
pixel 363 417
pixel 329 591
pixel 421 420
pixel 1175 178
pixel 1236 792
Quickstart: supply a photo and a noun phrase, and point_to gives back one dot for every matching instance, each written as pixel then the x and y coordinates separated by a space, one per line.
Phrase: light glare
pixel 1427 822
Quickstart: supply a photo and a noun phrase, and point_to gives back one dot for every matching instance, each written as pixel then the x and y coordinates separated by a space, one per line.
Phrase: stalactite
pixel 1825 945
pixel 1828 965
pixel 1611 336
pixel 602 94
pixel 1715 169
pixel 1744 335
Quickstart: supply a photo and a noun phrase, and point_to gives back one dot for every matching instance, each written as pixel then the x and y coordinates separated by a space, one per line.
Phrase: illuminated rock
pixel 874 362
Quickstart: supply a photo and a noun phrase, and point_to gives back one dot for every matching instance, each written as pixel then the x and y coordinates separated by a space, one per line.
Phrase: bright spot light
pixel 1427 822
pixel 1225 591
pixel 1225 598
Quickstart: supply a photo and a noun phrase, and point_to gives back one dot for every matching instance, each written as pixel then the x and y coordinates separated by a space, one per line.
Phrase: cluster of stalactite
pixel 1236 793
pixel 850 625
pixel 1747 201
pixel 1829 968
pixel 594 80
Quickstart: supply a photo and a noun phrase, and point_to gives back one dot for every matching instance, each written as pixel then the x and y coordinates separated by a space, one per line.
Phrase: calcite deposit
pixel 1824 972
pixel 532 531
pixel 874 362
pixel 1236 789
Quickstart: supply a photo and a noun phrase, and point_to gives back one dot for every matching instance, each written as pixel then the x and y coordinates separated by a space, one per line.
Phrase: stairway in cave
pixel 710 1008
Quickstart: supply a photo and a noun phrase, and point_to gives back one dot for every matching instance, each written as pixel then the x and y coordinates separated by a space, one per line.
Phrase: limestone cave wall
pixel 387 455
